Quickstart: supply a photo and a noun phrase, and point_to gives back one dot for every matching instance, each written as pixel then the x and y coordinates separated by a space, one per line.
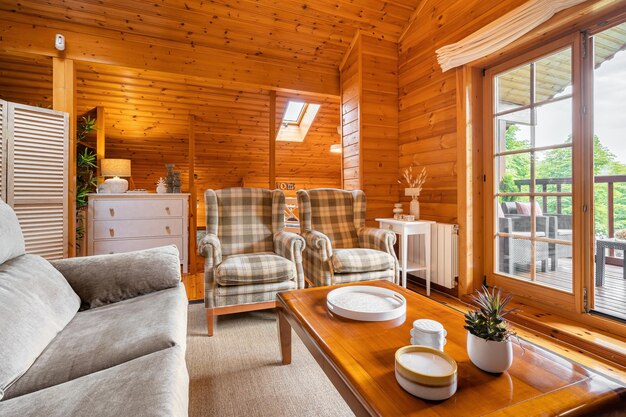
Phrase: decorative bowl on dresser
pixel 128 222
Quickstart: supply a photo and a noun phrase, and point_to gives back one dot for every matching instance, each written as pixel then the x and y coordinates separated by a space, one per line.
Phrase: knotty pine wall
pixel 26 80
pixel 369 88
pixel 427 128
pixel 379 126
pixel 350 120
pixel 147 121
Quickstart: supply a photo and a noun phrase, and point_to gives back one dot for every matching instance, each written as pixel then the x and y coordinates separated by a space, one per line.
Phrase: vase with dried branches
pixel 414 188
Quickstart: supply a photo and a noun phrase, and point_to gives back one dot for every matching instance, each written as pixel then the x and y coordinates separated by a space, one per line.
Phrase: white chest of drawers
pixel 128 222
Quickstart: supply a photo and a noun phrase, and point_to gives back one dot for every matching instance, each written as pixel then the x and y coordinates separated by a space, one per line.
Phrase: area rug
pixel 237 372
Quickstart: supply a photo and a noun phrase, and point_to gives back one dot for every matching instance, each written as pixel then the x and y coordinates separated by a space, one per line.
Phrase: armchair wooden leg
pixel 210 321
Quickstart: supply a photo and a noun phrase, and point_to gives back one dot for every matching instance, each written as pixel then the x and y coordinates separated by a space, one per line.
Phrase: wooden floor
pixel 610 299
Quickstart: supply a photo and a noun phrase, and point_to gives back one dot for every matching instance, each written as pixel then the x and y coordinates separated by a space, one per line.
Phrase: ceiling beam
pixel 28 34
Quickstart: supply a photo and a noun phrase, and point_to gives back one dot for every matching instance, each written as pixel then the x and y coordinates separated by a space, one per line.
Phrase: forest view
pixel 556 165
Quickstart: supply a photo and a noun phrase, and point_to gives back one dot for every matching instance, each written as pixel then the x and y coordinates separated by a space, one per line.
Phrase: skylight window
pixel 294 112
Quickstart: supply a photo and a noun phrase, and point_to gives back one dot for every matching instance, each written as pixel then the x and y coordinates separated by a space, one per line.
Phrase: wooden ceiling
pixel 311 32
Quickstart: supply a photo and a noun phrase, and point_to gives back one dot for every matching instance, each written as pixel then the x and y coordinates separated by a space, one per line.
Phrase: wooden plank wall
pixel 428 98
pixel 370 123
pixel 147 120
pixel 350 118
pixel 26 80
pixel 379 125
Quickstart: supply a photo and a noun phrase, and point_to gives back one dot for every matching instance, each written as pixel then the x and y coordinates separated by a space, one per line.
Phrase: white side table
pixel 406 229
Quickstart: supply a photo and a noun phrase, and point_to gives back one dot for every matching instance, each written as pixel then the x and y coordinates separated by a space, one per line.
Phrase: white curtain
pixel 501 32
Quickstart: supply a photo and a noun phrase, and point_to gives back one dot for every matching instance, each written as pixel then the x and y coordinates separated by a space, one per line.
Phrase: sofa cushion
pixel 36 303
pixel 105 279
pixel 155 385
pixel 361 260
pixel 103 337
pixel 254 268
pixel 11 239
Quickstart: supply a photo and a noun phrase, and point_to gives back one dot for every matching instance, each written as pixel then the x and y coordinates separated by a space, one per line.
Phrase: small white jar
pixel 428 332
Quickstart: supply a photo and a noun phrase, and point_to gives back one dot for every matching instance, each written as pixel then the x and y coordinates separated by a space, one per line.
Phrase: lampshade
pixel 115 167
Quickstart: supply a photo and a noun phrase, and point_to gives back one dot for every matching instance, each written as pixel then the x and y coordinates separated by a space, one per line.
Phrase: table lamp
pixel 116 168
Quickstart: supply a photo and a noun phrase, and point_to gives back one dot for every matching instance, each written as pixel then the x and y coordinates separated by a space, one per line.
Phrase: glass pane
pixel 553 169
pixel 554 265
pixel 609 153
pixel 553 76
pixel 553 123
pixel 293 111
pixel 513 173
pixel 513 131
pixel 559 207
pixel 508 207
pixel 513 89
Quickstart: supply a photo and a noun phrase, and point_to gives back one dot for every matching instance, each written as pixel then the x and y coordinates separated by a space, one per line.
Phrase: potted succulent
pixel 488 334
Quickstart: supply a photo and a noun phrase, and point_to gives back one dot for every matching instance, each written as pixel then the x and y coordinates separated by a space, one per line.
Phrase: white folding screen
pixel 36 176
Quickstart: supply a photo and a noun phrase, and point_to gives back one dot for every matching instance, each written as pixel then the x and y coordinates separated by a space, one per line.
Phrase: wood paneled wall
pixel 350 118
pixel 379 125
pixel 26 80
pixel 370 123
pixel 428 98
pixel 147 120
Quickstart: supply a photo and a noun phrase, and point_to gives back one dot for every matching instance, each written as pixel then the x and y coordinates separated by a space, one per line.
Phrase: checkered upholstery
pixel 244 219
pixel 333 220
pixel 361 260
pixel 331 212
pixel 248 256
pixel 254 268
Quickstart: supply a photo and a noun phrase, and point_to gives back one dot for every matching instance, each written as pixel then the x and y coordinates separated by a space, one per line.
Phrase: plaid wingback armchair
pixel 339 248
pixel 248 256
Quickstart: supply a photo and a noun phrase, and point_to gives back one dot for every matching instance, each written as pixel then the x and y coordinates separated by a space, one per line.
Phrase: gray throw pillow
pixel 106 279
pixel 11 239
pixel 36 303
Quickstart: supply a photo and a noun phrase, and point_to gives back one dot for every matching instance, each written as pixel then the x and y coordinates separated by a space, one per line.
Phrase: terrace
pixel 610 287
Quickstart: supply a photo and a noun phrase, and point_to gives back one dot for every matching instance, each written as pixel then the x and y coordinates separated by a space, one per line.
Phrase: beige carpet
pixel 237 372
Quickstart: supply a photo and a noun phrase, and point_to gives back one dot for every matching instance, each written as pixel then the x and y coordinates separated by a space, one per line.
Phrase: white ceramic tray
pixel 366 303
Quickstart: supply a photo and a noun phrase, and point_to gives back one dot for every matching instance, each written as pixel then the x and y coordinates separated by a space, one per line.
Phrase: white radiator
pixel 444 254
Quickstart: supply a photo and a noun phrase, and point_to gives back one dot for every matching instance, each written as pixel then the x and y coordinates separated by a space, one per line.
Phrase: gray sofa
pixel 97 336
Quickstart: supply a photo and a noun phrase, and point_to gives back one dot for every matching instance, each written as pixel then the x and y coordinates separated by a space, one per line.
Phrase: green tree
pixel 517 166
pixel 556 164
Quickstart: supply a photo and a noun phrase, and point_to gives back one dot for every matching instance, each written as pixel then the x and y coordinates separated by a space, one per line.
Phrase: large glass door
pixel 609 170
pixel 532 150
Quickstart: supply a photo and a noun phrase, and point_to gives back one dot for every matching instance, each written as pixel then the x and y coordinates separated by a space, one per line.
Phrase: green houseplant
pixel 488 334
pixel 85 173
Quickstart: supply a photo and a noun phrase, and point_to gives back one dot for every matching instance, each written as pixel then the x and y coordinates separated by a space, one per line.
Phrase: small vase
pixel 414 208
pixel 488 355
pixel 161 189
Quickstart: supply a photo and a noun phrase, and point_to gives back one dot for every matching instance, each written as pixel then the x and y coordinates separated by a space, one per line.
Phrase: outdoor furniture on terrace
pixel 601 246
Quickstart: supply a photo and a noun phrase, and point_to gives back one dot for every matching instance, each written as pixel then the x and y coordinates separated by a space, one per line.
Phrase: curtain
pixel 501 32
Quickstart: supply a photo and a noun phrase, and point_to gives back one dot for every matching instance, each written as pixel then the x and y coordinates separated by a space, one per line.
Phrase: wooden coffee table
pixel 358 358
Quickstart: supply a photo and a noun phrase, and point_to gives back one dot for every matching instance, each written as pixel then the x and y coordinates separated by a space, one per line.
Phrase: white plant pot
pixel 490 356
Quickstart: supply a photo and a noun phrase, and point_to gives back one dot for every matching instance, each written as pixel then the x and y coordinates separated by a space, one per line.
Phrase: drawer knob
pixel 389 227
pixel 112 232
pixel 112 211
pixel 167 209
pixel 167 229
